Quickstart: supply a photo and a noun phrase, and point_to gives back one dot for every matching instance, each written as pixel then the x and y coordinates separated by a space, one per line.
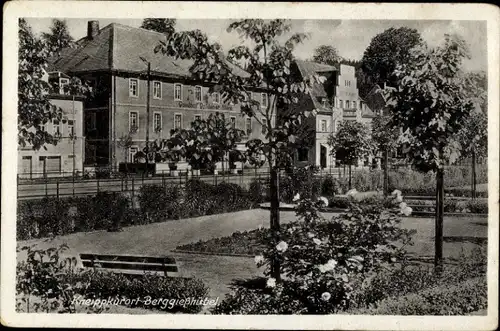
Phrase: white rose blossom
pixel 310 235
pixel 296 197
pixel 271 282
pixel 324 201
pixel 326 296
pixel 282 246
pixel 407 211
pixel 259 259
pixel 396 193
pixel 317 241
pixel 403 205
pixel 399 199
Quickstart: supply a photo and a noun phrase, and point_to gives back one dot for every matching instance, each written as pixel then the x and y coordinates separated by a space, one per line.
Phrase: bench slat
pixel 129 266
pixel 137 272
pixel 128 258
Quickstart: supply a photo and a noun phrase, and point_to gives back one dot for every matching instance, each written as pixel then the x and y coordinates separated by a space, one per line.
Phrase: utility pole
pixel 147 118
pixel 147 112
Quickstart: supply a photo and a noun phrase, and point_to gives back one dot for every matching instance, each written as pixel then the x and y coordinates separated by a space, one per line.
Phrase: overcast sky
pixel 350 37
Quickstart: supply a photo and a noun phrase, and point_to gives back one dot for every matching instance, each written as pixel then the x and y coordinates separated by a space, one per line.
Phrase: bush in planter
pixel 478 206
pixel 322 261
pixel 338 202
pixel 329 186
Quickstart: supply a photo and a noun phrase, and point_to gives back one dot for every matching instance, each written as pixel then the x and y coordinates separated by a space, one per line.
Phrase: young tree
pixel 350 143
pixel 34 107
pixel 430 105
pixel 59 37
pixel 386 51
pixel 326 54
pixel 162 25
pixel 385 137
pixel 268 68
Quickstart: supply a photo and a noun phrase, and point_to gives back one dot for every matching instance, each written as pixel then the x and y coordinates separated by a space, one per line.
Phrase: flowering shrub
pixel 323 260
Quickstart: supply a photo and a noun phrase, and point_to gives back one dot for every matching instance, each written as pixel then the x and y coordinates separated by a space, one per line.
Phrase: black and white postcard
pixel 194 165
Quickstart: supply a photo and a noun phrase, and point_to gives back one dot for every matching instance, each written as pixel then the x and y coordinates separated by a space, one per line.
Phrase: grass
pixel 219 271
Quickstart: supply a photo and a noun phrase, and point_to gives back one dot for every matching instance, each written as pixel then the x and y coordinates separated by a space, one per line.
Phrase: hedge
pixel 104 285
pixel 111 210
pixel 460 299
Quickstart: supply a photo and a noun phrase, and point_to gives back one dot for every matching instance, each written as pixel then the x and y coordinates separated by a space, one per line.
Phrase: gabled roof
pixel 318 90
pixel 119 47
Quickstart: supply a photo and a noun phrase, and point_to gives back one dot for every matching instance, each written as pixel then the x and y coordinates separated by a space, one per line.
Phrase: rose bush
pixel 322 260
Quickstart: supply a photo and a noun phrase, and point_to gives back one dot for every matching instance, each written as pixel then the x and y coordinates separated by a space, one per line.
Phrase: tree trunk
pixel 473 174
pixel 275 216
pixel 438 257
pixel 386 172
pixel 350 176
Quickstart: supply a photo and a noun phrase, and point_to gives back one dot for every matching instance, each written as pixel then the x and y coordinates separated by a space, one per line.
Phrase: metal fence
pixel 65 186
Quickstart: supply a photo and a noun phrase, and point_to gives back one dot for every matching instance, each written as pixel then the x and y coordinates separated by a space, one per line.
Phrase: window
pixel 93 121
pixel 177 121
pixel 71 127
pixel 197 93
pixel 323 125
pixel 178 92
pixel 263 100
pixel 248 126
pixel 264 125
pixel 347 104
pixel 131 153
pixel 157 122
pixel 233 122
pixel 324 102
pixel 133 121
pixel 216 97
pixel 197 117
pixel 53 164
pixel 302 154
pixel 354 104
pixel 57 127
pixel 341 104
pixel 133 87
pixel 26 165
pixel 63 83
pixel 156 90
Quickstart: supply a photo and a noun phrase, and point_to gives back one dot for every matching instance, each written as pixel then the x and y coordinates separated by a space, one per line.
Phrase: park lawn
pixel 156 239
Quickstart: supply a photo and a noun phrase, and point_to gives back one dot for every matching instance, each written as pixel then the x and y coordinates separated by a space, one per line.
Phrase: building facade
pixel 66 157
pixel 115 60
pixel 335 99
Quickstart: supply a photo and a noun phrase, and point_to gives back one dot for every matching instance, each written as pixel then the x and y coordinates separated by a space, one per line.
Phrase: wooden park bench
pixel 131 264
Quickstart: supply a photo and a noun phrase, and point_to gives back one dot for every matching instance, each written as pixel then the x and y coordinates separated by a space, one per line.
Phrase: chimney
pixel 92 29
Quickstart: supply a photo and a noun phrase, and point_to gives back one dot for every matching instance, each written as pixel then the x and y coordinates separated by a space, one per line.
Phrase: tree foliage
pixel 162 25
pixel 326 54
pixel 384 135
pixel 386 51
pixel 58 38
pixel 430 103
pixel 205 143
pixel 34 107
pixel 351 142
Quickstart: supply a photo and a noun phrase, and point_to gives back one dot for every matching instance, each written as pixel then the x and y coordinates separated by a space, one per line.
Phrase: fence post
pixel 46 186
pixel 57 189
pixel 97 184
pixel 121 182
pixel 73 183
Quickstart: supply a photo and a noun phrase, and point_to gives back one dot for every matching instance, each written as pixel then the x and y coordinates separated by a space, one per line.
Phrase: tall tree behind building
pixel 162 25
pixel 58 37
pixel 387 50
